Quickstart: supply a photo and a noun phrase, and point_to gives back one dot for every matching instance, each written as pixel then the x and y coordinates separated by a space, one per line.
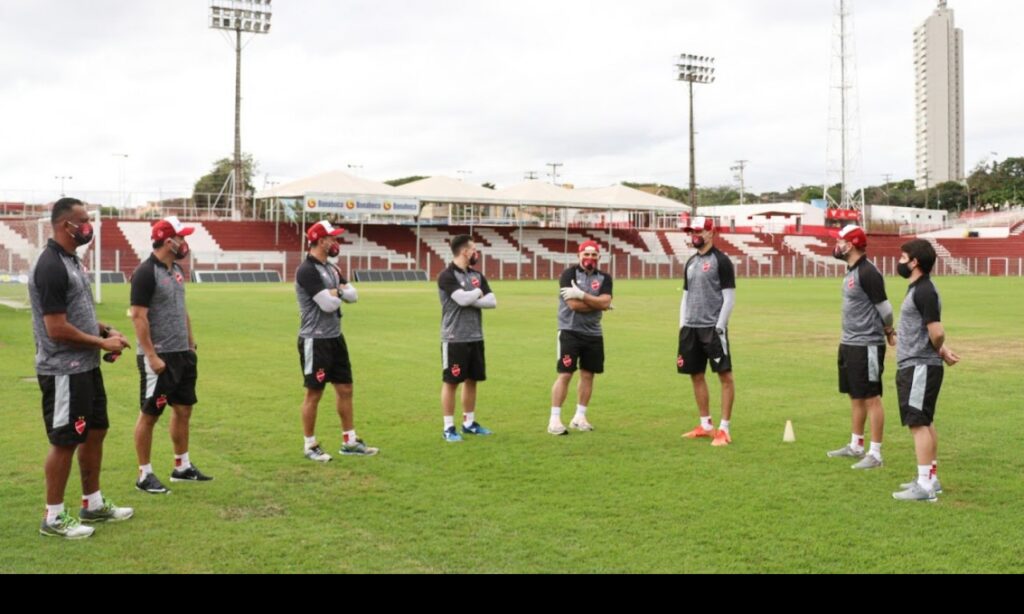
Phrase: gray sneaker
pixel 357 449
pixel 936 486
pixel 868 462
pixel 846 452
pixel 65 526
pixel 108 513
pixel 915 493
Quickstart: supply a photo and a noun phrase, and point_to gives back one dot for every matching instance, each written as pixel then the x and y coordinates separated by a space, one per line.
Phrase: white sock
pixel 924 476
pixel 724 426
pixel 94 501
pixel 706 423
pixel 449 422
pixel 876 450
pixel 145 470
pixel 581 411
pixel 181 462
pixel 857 442
pixel 556 413
pixel 309 442
pixel 52 511
pixel 349 437
pixel 468 419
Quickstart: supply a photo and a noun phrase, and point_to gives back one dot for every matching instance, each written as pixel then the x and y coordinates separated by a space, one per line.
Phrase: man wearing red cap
pixel 586 293
pixel 323 353
pixel 867 325
pixel 709 295
pixel 166 354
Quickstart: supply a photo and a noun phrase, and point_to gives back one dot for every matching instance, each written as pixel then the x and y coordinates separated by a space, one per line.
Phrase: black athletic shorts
pixel 918 391
pixel 698 346
pixel 324 361
pixel 860 370
pixel 463 361
pixel 175 386
pixel 72 405
pixel 576 350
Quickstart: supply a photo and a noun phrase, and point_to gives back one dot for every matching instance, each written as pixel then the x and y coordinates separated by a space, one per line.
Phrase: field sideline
pixel 629 497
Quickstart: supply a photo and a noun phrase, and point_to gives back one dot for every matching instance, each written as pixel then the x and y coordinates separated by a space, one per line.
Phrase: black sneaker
pixel 152 485
pixel 192 474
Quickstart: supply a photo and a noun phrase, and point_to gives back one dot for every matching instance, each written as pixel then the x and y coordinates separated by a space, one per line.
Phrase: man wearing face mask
pixel 586 293
pixel 709 295
pixel 921 352
pixel 166 357
pixel 68 342
pixel 867 325
pixel 323 353
pixel 464 293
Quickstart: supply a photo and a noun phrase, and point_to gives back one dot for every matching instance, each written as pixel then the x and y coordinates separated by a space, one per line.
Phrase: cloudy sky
pixel 495 87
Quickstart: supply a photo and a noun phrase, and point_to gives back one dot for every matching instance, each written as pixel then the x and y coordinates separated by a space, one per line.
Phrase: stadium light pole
pixel 250 17
pixel 121 159
pixel 694 69
pixel 62 179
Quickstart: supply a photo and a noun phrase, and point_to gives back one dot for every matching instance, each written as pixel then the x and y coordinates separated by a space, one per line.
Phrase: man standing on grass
pixel 166 358
pixel 68 342
pixel 920 354
pixel 867 324
pixel 464 293
pixel 323 353
pixel 709 295
pixel 585 294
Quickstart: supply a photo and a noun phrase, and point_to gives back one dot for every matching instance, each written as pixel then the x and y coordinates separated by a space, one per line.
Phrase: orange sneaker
pixel 721 439
pixel 699 433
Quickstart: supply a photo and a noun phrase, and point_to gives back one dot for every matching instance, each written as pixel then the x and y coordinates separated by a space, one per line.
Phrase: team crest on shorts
pixel 567 361
pixel 456 370
pixel 707 267
pixel 680 362
pixel 161 401
pixel 321 376
pixel 80 426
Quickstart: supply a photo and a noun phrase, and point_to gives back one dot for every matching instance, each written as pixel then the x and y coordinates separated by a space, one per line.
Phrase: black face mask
pixel 475 260
pixel 839 254
pixel 699 242
pixel 83 233
pixel 904 270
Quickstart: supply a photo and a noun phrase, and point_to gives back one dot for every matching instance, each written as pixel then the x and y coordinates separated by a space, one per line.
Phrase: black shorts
pixel 324 361
pixel 73 405
pixel 860 370
pixel 586 351
pixel 918 391
pixel 463 361
pixel 698 346
pixel 175 386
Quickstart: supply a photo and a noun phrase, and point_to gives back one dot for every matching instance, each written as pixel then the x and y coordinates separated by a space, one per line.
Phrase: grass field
pixel 629 497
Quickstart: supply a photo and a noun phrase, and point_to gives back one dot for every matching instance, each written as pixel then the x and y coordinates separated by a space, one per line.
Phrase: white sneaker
pixel 317 454
pixel 65 526
pixel 556 428
pixel 580 424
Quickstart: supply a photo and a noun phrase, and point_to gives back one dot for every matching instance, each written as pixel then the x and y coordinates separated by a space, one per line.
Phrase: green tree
pixel 404 180
pixel 213 182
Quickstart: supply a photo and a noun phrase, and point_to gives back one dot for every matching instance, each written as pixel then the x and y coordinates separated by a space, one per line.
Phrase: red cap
pixel 852 234
pixel 586 244
pixel 170 227
pixel 322 229
pixel 700 224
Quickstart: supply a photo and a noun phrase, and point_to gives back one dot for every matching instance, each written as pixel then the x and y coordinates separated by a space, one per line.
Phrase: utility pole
pixel 741 166
pixel 530 175
pixel 554 171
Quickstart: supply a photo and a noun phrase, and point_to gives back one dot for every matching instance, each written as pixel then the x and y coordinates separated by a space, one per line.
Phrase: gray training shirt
pixel 162 291
pixel 922 307
pixel 597 283
pixel 863 288
pixel 312 278
pixel 460 324
pixel 59 284
pixel 706 276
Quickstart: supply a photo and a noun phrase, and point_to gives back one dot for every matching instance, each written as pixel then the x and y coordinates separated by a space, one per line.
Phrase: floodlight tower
pixel 694 69
pixel 250 17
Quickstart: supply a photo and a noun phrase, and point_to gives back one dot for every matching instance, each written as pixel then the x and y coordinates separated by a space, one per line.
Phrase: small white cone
pixel 790 435
pixel 129 312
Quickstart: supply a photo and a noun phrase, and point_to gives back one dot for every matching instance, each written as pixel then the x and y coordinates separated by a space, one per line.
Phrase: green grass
pixel 630 497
